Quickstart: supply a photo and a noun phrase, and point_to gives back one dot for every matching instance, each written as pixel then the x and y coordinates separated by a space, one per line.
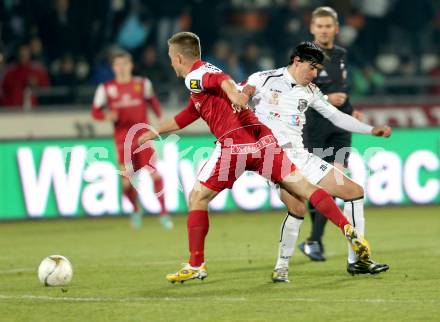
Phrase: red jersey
pixel 211 103
pixel 18 77
pixel 129 100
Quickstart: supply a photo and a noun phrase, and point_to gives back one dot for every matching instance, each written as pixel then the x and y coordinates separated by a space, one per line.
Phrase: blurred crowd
pixel 65 44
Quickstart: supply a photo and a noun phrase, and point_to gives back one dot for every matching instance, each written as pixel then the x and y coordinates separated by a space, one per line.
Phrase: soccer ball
pixel 55 270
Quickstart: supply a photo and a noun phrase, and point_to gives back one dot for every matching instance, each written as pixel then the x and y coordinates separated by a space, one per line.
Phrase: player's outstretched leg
pixel 343 187
pixel 198 226
pixel 297 184
pixel 130 191
pixel 288 235
pixel 164 217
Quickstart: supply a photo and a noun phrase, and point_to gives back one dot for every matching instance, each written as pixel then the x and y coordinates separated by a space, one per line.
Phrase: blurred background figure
pixel 250 59
pixel 385 39
pixel 149 65
pixel 60 30
pixel 21 78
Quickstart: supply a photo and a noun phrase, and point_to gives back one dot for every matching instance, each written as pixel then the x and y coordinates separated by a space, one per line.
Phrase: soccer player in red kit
pixel 124 102
pixel 243 143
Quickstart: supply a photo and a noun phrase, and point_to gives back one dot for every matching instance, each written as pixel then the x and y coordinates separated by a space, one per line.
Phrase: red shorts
pixel 229 160
pixel 145 158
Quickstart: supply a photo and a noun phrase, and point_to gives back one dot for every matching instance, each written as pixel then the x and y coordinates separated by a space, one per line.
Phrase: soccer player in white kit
pixel 279 98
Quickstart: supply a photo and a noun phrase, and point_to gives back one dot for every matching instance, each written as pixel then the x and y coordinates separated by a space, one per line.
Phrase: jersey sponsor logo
pixel 323 167
pixel 302 105
pixel 275 98
pixel 268 72
pixel 137 88
pixel 274 115
pixel 211 68
pixel 253 147
pixel 296 120
pixel 195 84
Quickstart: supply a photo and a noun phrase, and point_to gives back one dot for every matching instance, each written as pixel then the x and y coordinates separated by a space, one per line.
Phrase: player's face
pixel 175 60
pixel 305 71
pixel 324 29
pixel 122 67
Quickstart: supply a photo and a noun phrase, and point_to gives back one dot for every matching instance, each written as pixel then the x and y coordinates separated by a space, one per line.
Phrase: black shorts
pixel 330 144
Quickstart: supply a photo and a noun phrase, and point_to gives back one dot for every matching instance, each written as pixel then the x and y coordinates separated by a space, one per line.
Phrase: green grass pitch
pixel 119 273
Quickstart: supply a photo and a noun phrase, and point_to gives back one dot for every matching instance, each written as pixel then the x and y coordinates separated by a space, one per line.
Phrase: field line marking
pixel 123 299
pixel 16 270
pixel 218 299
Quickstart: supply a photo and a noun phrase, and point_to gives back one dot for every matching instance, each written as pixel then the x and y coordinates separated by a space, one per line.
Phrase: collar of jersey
pixel 197 64
pixel 289 77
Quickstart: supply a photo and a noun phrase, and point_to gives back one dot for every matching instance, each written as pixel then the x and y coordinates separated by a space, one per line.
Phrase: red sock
pixel 198 226
pixel 325 204
pixel 131 193
pixel 158 189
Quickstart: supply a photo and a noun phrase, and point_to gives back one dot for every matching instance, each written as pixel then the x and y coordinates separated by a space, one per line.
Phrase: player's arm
pixel 253 83
pixel 99 102
pixel 181 120
pixel 345 121
pixel 221 80
pixel 151 99
pixel 337 99
pixel 339 96
pixel 238 99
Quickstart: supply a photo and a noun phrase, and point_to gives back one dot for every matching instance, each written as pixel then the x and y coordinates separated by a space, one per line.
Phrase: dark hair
pixel 188 44
pixel 308 51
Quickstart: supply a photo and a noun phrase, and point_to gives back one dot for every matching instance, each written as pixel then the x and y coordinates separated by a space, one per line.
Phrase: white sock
pixel 354 212
pixel 288 236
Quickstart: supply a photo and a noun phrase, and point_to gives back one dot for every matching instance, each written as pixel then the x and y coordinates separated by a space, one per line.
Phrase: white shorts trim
pixel 207 169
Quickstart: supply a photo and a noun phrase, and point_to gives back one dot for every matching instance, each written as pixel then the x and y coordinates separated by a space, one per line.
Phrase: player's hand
pixel 111 116
pixel 337 99
pixel 249 90
pixel 147 136
pixel 239 101
pixel 358 115
pixel 384 131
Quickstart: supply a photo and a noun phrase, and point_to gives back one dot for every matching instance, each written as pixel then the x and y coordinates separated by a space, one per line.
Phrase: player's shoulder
pixel 204 68
pixel 110 82
pixel 193 80
pixel 269 73
pixel 313 87
pixel 262 77
pixel 339 50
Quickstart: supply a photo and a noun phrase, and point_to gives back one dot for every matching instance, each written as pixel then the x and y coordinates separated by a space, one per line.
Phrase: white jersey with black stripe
pixel 280 103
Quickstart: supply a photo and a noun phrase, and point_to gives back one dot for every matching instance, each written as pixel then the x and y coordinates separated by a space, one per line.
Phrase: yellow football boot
pixel 187 272
pixel 358 243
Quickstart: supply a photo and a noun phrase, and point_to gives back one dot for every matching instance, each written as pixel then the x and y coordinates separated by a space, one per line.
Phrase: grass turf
pixel 119 273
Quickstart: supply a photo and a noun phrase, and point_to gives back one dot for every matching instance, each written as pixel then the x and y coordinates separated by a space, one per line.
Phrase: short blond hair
pixel 187 42
pixel 120 53
pixel 325 12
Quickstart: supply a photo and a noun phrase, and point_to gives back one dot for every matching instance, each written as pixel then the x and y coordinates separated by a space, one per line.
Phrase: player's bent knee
pixel 298 209
pixel 126 185
pixel 352 191
pixel 155 175
pixel 198 199
pixel 356 191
